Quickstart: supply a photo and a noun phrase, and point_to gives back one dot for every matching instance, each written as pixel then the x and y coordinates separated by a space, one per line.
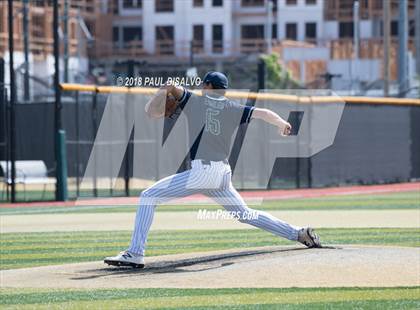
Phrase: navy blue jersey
pixel 212 121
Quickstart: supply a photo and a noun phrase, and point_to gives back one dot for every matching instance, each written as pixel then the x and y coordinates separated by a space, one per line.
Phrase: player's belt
pixel 208 162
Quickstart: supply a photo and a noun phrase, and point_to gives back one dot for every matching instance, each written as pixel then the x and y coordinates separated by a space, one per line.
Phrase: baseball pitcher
pixel 215 118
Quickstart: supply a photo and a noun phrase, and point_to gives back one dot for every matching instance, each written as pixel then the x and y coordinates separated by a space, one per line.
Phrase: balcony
pixel 250 46
pixel 165 47
pixel 103 49
pixel 252 7
pixel 217 46
pixel 198 46
pixel 180 49
pixel 164 6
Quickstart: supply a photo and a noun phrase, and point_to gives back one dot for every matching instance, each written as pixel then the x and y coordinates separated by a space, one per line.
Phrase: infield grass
pixel 267 298
pixel 18 250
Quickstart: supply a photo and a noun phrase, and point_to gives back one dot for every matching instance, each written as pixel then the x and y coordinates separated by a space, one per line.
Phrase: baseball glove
pixel 170 106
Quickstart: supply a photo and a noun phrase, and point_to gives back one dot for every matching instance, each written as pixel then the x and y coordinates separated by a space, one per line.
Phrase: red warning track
pixel 266 195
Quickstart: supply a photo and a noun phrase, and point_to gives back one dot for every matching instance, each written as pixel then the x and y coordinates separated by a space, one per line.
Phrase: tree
pixel 278 77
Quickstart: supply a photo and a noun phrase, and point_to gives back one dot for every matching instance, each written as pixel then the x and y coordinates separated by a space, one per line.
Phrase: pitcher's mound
pixel 258 267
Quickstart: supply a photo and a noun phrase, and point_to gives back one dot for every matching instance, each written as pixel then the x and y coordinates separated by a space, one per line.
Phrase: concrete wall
pixel 361 69
pixel 330 30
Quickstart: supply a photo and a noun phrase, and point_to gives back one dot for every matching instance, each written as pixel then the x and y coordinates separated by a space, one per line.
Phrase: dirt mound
pixel 259 267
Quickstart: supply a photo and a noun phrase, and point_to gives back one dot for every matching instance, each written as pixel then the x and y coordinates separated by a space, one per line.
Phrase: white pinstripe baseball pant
pixel 213 180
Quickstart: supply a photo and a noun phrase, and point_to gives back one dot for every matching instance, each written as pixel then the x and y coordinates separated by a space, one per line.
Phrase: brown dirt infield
pixel 348 266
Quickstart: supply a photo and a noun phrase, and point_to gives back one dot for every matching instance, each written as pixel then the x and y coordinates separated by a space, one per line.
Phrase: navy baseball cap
pixel 217 79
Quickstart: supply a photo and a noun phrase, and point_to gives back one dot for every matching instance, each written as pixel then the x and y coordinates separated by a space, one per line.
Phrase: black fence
pixel 374 144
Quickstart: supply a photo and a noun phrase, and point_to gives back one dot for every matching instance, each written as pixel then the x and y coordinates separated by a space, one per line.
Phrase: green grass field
pixel 407 200
pixel 295 298
pixel 19 250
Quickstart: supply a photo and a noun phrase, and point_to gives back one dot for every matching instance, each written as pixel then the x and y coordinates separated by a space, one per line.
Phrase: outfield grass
pixel 293 298
pixel 18 250
pixel 405 200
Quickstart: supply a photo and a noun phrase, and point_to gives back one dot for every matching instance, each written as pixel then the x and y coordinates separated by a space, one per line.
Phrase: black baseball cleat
pixel 308 237
pixel 125 259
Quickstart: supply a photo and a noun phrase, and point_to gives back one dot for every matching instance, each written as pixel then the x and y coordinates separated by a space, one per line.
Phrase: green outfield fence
pixel 378 141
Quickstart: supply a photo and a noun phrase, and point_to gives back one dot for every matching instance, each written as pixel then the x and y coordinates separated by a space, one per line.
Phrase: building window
pixel 198 38
pixel 132 34
pixel 113 8
pixel 274 31
pixel 38 29
pixel 252 38
pixel 411 28
pixel 310 2
pixel 274 5
pixel 345 30
pixel 164 5
pixel 252 32
pixel 364 4
pixel 132 4
pixel 217 39
pixel 394 28
pixel 291 2
pixel 217 2
pixel 115 34
pixel 90 26
pixel 38 3
pixel 198 3
pixel 164 40
pixel 345 5
pixel 310 31
pixel 291 31
pixel 252 3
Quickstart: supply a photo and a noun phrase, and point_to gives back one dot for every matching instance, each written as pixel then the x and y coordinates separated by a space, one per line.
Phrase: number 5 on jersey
pixel 212 123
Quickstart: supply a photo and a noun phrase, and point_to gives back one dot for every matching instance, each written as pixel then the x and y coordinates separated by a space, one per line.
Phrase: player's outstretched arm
pixel 272 118
pixel 155 107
